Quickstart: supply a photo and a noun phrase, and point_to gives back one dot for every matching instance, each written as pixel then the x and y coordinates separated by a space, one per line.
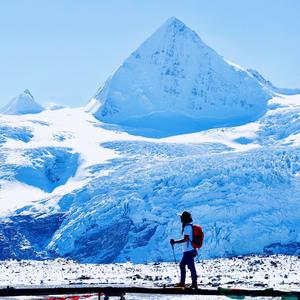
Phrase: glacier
pixel 121 199
pixel 95 185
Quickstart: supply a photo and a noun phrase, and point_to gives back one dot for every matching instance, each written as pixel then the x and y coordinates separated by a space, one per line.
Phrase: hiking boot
pixel 180 285
pixel 194 285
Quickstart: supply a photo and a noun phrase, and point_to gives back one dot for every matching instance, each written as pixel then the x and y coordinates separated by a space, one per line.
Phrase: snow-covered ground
pixel 259 272
pixel 272 271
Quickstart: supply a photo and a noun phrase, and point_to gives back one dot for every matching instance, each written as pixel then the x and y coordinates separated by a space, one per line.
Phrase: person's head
pixel 186 218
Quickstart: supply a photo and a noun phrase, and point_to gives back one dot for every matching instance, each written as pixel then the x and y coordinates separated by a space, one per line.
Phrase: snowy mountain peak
pixel 175 24
pixel 174 21
pixel 24 103
pixel 174 31
pixel 26 91
pixel 174 83
pixel 175 28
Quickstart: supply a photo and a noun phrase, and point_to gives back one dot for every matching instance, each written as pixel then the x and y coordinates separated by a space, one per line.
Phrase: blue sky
pixel 63 50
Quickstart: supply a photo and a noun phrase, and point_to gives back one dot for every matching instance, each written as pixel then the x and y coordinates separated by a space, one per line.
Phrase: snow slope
pixel 104 195
pixel 22 104
pixel 174 83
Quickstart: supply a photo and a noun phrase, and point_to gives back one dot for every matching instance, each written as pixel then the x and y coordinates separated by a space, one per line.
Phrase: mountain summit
pixel 22 104
pixel 175 83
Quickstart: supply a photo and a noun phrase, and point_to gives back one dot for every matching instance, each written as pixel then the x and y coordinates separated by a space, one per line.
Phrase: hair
pixel 185 219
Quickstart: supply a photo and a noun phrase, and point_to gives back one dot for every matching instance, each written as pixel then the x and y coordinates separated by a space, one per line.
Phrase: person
pixel 189 252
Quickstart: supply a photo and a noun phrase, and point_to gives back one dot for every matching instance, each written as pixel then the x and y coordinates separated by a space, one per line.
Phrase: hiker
pixel 189 253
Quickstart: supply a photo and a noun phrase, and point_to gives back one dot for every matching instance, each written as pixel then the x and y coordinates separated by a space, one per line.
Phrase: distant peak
pixel 23 103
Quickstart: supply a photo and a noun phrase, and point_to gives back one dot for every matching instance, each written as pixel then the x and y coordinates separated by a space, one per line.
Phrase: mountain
pixel 269 85
pixel 24 103
pixel 174 83
pixel 72 186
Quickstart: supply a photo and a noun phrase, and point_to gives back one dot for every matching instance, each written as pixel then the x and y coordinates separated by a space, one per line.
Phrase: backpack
pixel 198 237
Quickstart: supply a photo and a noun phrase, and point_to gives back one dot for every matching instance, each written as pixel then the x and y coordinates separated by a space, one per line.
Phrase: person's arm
pixel 186 238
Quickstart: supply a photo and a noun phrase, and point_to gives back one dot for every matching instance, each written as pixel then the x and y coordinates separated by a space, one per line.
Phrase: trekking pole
pixel 174 254
pixel 175 260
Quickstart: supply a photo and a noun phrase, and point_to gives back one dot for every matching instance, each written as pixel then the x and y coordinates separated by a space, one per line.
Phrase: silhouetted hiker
pixel 189 253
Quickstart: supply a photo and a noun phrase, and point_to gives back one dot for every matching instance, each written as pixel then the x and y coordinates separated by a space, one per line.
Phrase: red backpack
pixel 198 237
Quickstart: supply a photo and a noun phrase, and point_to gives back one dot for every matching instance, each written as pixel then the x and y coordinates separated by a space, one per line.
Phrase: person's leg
pixel 182 265
pixel 191 266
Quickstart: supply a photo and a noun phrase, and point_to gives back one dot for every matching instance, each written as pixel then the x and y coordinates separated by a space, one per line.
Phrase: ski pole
pixel 175 260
